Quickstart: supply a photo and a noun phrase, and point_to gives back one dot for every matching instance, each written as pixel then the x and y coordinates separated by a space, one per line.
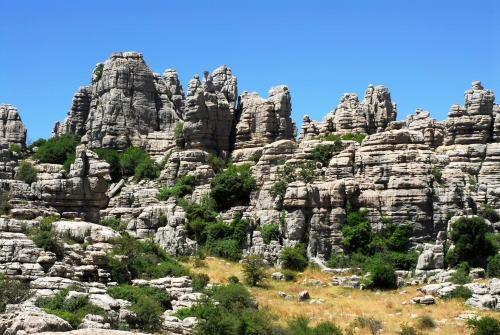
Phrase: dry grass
pixel 342 305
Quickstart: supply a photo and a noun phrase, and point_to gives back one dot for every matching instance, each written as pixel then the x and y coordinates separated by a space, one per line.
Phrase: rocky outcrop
pixel 263 121
pixel 79 193
pixel 77 116
pixel 12 129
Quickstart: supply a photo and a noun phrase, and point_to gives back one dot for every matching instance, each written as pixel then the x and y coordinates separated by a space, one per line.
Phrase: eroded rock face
pixel 12 129
pixel 263 121
pixel 473 122
pixel 77 116
pixel 79 193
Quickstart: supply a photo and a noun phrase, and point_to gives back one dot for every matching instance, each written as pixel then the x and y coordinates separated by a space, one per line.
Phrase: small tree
pixel 294 258
pixel 232 186
pixel 56 150
pixel 382 276
pixel 253 269
pixel 26 172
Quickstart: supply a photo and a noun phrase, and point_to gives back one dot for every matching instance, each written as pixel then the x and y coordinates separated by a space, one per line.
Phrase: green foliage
pixel 232 186
pixel 178 130
pixel 131 158
pixel 278 188
pixel 98 72
pixel 338 261
pixel 358 137
pixel 70 160
pixel 131 258
pixel 229 310
pixel 460 293
pixel 382 276
pixel 233 279
pixel 356 232
pixel 37 143
pixel 146 169
pixel 489 212
pixel 487 325
pixel 437 174
pixel 294 258
pixel 225 240
pixel 56 150
pixel 16 148
pixel 323 153
pixel 200 281
pixel 468 235
pixel 112 157
pixel 114 223
pixel 217 164
pixel 408 330
pixel 147 302
pixel 12 291
pixel 45 237
pixel 493 269
pixel 254 270
pixel 26 172
pixel 426 322
pixel 289 275
pixel 5 206
pixel 461 275
pixel 183 186
pixel 300 326
pixel 270 232
pixel 72 310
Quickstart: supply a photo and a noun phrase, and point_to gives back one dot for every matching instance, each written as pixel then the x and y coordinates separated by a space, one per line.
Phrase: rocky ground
pixel 420 172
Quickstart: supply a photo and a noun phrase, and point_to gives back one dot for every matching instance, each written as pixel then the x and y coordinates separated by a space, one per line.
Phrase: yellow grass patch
pixel 342 305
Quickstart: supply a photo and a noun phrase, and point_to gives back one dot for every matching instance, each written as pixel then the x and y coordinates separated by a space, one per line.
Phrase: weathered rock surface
pixel 12 129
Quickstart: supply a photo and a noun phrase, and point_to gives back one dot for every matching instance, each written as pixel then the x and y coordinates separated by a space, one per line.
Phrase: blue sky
pixel 426 52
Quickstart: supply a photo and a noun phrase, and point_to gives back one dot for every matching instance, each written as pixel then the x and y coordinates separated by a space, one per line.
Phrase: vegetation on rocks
pixel 184 186
pixel 270 232
pixel 232 186
pixel 12 291
pixel 45 237
pixel 56 150
pixel 294 258
pixel 26 172
pixel 112 157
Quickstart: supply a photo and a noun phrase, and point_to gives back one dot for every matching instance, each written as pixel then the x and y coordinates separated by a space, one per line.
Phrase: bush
pixel 278 188
pixel 233 279
pixel 270 232
pixel 408 330
pixel 16 148
pixel 426 322
pixel 461 275
pixel 300 326
pixel 46 238
pixel 468 235
pixel 5 206
pixel 323 153
pixel 26 172
pixel 131 158
pixel 147 302
pixel 226 240
pixel 484 326
pixel 489 212
pixel 437 174
pixel 232 186
pixel 183 186
pixel 357 232
pixel 73 310
pixel 358 137
pixel 178 130
pixel 493 269
pixel 112 157
pixel 131 259
pixel 217 164
pixel 460 293
pixel 382 276
pixel 70 160
pixel 56 150
pixel 114 223
pixel 37 143
pixel 200 281
pixel 12 292
pixel 338 261
pixel 146 169
pixel 294 258
pixel 254 270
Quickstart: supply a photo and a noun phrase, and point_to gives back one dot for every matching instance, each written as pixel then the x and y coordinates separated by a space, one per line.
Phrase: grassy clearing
pixel 342 305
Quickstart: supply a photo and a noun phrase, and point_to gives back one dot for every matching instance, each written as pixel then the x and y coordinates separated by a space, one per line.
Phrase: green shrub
pixel 37 143
pixel 112 157
pixel 73 310
pixel 294 258
pixel 382 276
pixel 45 237
pixel 184 186
pixel 131 258
pixel 26 172
pixel 57 149
pixel 461 275
pixel 254 270
pixel 16 148
pixel 98 72
pixel 233 279
pixel 357 232
pixel 217 164
pixel 178 130
pixel 300 326
pixel 338 261
pixel 306 172
pixel 289 275
pixel 489 212
pixel 270 232
pixel 358 137
pixel 493 269
pixel 426 322
pixel 70 160
pixel 232 186
pixel 228 249
pixel 5 206
pixel 148 314
pixel 133 293
pixel 131 158
pixel 12 291
pixel 468 235
pixel 323 153
pixel 408 330
pixel 460 293
pixel 146 169
pixel 278 188
pixel 437 174
pixel 200 281
pixel 487 325
pixel 114 223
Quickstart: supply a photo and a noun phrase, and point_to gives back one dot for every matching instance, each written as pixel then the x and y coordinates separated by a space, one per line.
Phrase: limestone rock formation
pixel 12 129
pixel 77 116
